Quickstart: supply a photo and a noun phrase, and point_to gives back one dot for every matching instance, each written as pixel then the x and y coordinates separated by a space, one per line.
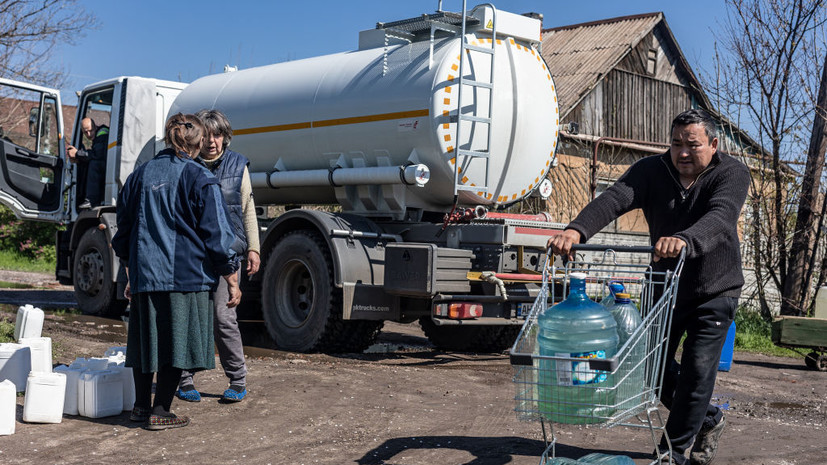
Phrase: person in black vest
pixel 231 170
pixel 691 197
pixel 91 179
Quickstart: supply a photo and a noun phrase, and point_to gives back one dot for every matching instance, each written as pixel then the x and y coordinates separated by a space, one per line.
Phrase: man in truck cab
pixel 691 197
pixel 92 173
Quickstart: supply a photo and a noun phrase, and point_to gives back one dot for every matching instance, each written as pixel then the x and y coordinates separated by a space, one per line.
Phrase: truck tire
pixel 92 276
pixel 300 303
pixel 489 339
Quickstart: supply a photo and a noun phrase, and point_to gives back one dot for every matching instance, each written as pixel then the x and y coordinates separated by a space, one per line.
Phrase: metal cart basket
pixel 629 392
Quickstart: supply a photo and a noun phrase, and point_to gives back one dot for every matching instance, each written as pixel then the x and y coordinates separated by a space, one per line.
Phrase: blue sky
pixel 182 41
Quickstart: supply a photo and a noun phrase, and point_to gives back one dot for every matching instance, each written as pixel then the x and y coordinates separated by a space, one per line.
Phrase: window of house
pixel 652 61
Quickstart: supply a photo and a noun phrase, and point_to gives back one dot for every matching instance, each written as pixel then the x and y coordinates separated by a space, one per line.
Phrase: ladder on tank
pixel 464 157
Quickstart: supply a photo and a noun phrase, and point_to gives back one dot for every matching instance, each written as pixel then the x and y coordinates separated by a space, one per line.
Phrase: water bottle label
pixel 579 373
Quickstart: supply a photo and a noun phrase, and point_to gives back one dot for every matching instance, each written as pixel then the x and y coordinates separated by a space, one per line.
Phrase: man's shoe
pixel 86 205
pixel 706 443
pixel 234 394
pixel 188 393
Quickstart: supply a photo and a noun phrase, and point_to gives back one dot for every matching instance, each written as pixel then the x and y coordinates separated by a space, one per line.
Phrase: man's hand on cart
pixel 668 247
pixel 561 244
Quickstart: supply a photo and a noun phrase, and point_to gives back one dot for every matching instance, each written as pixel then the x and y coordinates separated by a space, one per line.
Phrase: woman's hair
pixel 185 134
pixel 217 124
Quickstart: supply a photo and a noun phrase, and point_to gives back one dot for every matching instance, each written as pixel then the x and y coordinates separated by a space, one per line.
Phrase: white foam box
pixel 70 400
pixel 8 407
pixel 45 393
pixel 28 323
pixel 41 353
pixel 15 364
pixel 100 394
pixel 128 384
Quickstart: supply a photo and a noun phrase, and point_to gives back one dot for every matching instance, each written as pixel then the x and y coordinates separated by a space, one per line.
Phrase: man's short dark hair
pixel 696 116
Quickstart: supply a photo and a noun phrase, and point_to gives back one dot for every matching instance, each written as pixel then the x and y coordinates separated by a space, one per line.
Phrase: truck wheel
pixel 92 276
pixel 469 338
pixel 301 306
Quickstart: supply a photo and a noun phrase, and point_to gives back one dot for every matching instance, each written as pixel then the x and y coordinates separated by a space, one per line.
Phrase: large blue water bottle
pixel 570 391
pixel 631 375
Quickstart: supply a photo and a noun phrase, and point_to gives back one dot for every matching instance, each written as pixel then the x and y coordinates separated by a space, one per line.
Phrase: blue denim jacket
pixel 173 227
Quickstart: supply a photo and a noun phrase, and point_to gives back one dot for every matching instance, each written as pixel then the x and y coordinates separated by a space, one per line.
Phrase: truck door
pixel 31 151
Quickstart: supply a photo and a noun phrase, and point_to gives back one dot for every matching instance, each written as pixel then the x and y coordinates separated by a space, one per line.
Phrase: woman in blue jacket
pixel 176 240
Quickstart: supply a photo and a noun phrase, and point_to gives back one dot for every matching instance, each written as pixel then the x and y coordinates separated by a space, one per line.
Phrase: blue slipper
pixel 234 394
pixel 189 395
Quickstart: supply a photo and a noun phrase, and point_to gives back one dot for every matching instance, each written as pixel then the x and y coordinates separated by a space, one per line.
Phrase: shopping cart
pixel 630 392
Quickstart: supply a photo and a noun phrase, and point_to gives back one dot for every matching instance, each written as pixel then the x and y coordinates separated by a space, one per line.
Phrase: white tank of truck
pixel 322 130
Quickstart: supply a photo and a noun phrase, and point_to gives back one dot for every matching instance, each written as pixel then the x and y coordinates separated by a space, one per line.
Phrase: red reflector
pixel 464 310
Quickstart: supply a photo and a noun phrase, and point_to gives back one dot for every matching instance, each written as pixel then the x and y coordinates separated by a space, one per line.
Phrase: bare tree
pixel 765 81
pixel 31 31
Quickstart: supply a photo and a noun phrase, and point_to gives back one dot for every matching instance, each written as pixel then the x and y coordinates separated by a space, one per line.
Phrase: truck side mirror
pixel 34 117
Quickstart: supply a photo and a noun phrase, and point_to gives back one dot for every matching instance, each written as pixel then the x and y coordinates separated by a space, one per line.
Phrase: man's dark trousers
pixel 688 386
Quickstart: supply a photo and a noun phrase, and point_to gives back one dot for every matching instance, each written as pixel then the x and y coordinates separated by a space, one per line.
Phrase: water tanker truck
pixel 409 144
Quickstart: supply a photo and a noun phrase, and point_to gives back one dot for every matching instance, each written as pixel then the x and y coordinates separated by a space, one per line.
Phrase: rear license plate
pixel 524 308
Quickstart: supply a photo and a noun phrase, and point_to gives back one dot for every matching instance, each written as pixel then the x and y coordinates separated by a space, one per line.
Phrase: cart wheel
pixel 816 361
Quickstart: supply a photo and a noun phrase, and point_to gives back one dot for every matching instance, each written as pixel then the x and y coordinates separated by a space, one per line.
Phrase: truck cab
pixel 40 183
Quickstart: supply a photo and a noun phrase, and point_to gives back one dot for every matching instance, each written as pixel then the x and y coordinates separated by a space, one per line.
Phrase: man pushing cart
pixel 691 197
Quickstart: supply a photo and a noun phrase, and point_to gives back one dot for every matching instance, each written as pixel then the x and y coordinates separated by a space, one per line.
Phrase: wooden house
pixel 620 82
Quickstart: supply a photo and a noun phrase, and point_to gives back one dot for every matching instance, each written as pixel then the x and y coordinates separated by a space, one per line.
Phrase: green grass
pixel 752 334
pixel 6 330
pixel 10 260
pixel 11 285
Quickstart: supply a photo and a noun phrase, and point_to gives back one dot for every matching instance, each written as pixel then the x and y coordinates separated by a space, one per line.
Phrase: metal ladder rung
pixel 468 82
pixel 463 187
pixel 476 119
pixel 472 153
pixel 477 48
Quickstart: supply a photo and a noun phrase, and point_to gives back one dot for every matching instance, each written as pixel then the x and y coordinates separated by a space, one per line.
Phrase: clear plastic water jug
pixel 615 288
pixel 571 391
pixel 631 375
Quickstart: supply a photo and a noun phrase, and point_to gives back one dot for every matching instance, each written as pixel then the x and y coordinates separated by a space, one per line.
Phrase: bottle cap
pixel 623 295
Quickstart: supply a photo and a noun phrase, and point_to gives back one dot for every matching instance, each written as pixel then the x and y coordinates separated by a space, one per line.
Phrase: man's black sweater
pixel 705 216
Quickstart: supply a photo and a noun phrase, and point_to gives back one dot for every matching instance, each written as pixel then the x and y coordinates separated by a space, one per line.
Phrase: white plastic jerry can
pixel 70 401
pixel 41 353
pixel 45 394
pixel 100 394
pixel 128 384
pixel 15 364
pixel 28 323
pixel 8 407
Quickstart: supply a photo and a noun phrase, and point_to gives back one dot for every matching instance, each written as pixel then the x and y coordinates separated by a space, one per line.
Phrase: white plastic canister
pixel 70 402
pixel 128 384
pixel 8 407
pixel 28 323
pixel 41 353
pixel 15 364
pixel 100 394
pixel 45 393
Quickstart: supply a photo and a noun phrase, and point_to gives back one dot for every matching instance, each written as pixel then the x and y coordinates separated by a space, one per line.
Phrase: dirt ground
pixel 403 403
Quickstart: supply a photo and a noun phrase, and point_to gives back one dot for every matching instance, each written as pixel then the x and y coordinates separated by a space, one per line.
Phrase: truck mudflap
pixel 366 302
